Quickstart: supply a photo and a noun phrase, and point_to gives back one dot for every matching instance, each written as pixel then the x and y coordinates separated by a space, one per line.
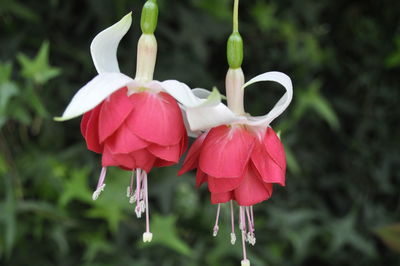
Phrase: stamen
pixel 216 228
pixel 100 184
pixel 244 262
pixel 233 235
pixel 252 215
pixel 138 209
pixel 147 236
pixel 132 199
pixel 251 238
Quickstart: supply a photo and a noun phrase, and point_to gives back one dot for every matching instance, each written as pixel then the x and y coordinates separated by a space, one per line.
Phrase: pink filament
pixel 232 218
pixel 243 223
pixel 102 177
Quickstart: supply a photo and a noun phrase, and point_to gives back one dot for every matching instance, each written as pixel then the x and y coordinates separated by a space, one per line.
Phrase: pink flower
pixel 134 124
pixel 238 163
pixel 239 156
pixel 141 130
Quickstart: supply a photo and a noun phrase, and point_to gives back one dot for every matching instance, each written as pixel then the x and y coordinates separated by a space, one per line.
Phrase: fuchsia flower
pixel 241 158
pixel 238 163
pixel 134 124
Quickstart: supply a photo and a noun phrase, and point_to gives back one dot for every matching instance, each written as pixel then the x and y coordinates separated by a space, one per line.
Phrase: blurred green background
pixel 341 205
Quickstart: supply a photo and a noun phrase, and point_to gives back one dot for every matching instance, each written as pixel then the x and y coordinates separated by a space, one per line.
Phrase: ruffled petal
pixel 125 141
pixel 115 110
pixel 93 93
pixel 201 177
pixel 156 118
pixel 92 131
pixel 219 185
pixel 138 159
pixel 167 153
pixel 226 151
pixel 252 190
pixel 191 160
pixel 275 149
pixel 269 171
pixel 222 197
pixel 280 106
pixel 84 122
pixel 104 46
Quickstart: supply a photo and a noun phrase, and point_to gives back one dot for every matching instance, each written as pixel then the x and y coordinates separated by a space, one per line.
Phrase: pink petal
pixel 201 177
pixel 167 153
pixel 191 160
pixel 125 141
pixel 138 159
pixel 143 159
pixel 219 185
pixel 226 151
pixel 162 163
pixel 182 147
pixel 115 110
pixel 221 197
pixel 252 190
pixel 92 131
pixel 275 148
pixel 266 167
pixel 156 118
pixel 84 122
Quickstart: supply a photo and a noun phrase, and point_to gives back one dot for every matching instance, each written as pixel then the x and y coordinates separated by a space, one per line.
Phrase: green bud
pixel 234 50
pixel 148 21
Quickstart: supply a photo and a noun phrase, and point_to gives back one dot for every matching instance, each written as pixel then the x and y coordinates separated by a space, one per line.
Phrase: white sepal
pixel 104 46
pixel 280 106
pixel 93 93
pixel 206 117
pixel 203 109
pixel 182 93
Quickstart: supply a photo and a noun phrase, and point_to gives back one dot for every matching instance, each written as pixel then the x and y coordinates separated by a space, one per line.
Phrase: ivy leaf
pixel 38 68
pixel 165 233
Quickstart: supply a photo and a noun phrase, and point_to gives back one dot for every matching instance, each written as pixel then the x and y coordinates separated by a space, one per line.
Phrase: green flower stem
pixel 234 49
pixel 235 77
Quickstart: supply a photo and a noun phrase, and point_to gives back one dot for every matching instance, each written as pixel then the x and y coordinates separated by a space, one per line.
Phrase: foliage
pixel 341 134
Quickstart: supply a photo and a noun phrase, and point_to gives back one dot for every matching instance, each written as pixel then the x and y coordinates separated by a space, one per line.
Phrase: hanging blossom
pixel 239 156
pixel 134 124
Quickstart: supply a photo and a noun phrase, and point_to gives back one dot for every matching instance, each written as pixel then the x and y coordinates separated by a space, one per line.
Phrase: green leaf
pixel 8 216
pixel 95 242
pixel 292 162
pixel 165 233
pixel 390 235
pixel 38 68
pixel 312 99
pixel 76 187
pixel 112 204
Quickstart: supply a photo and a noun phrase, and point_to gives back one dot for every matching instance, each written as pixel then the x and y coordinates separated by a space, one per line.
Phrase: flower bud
pixel 234 50
pixel 148 20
